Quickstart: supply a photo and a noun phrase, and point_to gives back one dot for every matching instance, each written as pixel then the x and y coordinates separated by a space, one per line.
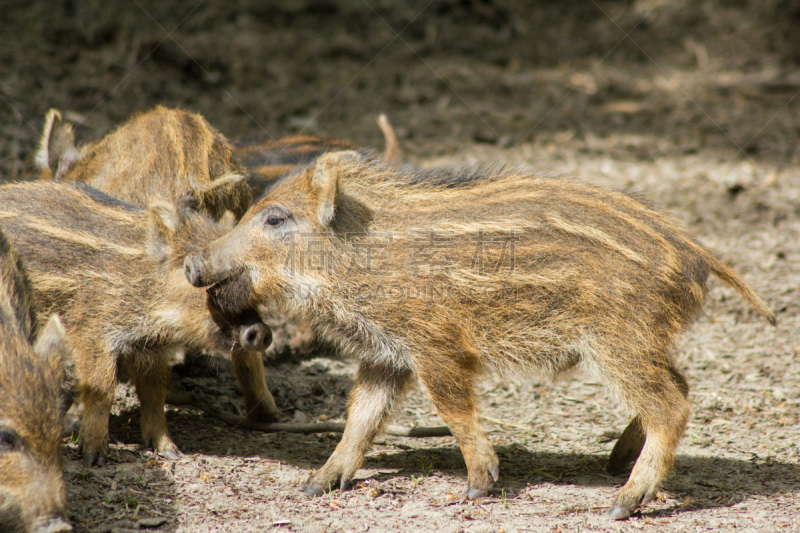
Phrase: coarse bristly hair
pixel 452 273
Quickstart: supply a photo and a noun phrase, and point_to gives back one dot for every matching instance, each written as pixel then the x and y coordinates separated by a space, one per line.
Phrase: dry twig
pixel 198 399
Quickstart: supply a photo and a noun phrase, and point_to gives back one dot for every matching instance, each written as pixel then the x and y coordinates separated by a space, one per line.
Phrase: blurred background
pixel 671 76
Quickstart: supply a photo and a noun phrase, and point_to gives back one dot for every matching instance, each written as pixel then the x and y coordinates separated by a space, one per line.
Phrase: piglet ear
pixel 54 349
pixel 57 152
pixel 52 346
pixel 165 220
pixel 52 339
pixel 325 183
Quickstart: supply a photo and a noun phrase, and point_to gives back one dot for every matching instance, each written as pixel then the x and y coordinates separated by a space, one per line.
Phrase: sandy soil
pixel 692 103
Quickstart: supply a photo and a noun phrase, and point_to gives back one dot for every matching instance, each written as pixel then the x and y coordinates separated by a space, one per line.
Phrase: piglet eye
pixel 274 221
pixel 9 440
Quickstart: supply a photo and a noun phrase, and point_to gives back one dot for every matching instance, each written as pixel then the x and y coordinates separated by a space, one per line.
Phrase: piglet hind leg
pixel 93 433
pixel 97 382
pixel 663 420
pixel 376 391
pixel 258 401
pixel 152 383
pixel 627 448
pixel 451 385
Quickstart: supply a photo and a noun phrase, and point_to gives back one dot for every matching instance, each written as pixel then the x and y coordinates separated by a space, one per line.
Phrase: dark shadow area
pixel 102 498
pixel 135 489
pixel 671 77
pixel 696 482
pixel 99 495
pixel 304 389
pixel 109 495
pixel 706 482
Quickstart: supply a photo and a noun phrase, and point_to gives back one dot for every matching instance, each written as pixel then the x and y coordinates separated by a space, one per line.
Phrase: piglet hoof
pixel 172 455
pixel 92 459
pixel 473 494
pixel 618 512
pixel 495 472
pixel 158 440
pixel 263 412
pixel 311 489
pixel 314 490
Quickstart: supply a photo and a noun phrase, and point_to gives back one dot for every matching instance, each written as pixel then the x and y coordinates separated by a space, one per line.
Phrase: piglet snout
pixel 191 268
pixel 256 337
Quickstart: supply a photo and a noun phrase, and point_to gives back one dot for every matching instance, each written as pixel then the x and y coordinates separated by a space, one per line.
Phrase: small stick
pixel 392 152
pixel 198 399
pixel 548 475
pixel 496 421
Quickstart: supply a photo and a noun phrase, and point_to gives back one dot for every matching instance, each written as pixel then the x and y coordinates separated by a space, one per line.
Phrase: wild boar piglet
pixel 32 360
pixel 162 154
pixel 448 274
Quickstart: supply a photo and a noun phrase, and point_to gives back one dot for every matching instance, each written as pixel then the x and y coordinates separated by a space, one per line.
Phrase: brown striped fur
pixel 267 159
pixel 162 154
pixel 114 273
pixel 32 490
pixel 597 279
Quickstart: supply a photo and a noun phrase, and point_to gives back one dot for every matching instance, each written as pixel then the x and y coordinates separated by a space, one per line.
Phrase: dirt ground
pixel 694 103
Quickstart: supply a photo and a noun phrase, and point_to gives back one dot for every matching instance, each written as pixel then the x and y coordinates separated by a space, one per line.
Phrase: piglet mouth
pixel 229 300
pixel 231 294
pixel 218 287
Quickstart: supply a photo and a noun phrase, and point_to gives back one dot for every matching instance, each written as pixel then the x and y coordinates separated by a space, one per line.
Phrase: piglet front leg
pixel 258 401
pixel 376 391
